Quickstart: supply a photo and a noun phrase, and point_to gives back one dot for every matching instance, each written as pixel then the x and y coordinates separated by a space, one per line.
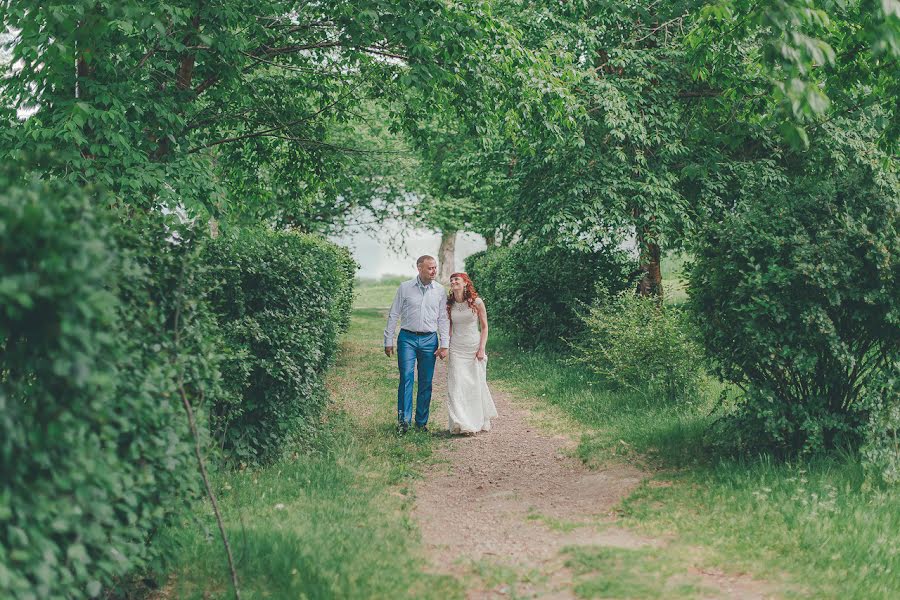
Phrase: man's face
pixel 427 271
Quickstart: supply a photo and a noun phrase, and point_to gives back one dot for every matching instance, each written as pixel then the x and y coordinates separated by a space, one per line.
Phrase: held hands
pixel 480 355
pixel 440 352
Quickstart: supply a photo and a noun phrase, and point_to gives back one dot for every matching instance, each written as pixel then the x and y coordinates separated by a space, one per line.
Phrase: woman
pixel 470 404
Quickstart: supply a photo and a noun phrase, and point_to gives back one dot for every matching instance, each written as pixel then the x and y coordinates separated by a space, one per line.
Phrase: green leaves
pixel 529 290
pixel 94 446
pixel 281 300
pixel 794 294
pixel 636 343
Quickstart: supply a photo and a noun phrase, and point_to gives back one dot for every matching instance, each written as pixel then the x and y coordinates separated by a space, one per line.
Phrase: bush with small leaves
pixel 639 344
pixel 281 298
pixel 99 329
pixel 881 450
pixel 795 295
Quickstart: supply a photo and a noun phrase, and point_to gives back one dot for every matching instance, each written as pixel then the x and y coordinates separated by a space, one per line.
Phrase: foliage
pixel 810 58
pixel 637 343
pixel 795 294
pixel 228 106
pixel 99 329
pixel 534 292
pixel 881 451
pixel 281 299
pixel 666 97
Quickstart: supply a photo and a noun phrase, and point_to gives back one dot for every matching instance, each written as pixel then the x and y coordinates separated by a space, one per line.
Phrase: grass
pixel 811 528
pixel 502 579
pixel 607 572
pixel 674 278
pixel 333 519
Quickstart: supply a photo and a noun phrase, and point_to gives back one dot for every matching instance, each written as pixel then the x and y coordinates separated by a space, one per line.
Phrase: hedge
pixel 535 292
pixel 281 298
pixel 94 447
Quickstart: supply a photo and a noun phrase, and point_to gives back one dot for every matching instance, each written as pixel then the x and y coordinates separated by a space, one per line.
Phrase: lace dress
pixel 470 404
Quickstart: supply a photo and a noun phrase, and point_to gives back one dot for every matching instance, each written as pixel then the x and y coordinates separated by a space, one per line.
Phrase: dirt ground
pixel 497 509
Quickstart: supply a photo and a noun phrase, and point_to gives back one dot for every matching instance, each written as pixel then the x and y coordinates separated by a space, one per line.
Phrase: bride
pixel 470 404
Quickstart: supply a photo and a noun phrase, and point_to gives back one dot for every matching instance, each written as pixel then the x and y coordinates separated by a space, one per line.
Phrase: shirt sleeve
pixel 443 322
pixel 393 317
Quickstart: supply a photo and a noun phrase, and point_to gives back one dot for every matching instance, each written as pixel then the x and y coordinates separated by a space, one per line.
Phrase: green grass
pixel 674 278
pixel 502 579
pixel 332 520
pixel 811 529
pixel 605 572
pixel 378 294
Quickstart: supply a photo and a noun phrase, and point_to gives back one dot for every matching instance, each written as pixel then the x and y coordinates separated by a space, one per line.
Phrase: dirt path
pixel 502 510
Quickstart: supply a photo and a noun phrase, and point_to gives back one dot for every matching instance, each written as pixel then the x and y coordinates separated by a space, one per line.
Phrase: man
pixel 421 307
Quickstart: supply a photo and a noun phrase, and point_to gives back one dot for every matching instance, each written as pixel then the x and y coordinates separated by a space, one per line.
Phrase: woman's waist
pixel 465 344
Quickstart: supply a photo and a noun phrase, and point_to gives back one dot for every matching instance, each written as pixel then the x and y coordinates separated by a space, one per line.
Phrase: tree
pixel 182 104
pixel 671 102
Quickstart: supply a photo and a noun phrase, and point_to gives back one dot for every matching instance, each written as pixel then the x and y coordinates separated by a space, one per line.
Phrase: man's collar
pixel 419 283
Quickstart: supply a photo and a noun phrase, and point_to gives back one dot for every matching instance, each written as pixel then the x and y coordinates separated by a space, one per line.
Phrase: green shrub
pixel 95 450
pixel 534 292
pixel 637 343
pixel 795 295
pixel 282 299
pixel 881 450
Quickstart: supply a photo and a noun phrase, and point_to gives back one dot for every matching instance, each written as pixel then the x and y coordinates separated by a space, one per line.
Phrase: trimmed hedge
pixel 282 298
pixel 103 326
pixel 95 450
pixel 535 292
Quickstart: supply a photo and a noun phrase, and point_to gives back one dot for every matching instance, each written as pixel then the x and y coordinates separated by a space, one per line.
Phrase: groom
pixel 421 306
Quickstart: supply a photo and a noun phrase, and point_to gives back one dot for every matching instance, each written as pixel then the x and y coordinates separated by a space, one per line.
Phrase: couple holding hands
pixel 436 324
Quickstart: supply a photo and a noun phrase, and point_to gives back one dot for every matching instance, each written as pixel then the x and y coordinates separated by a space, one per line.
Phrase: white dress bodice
pixel 464 328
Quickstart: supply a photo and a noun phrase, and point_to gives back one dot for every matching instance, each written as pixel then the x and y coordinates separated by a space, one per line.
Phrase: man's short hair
pixel 423 258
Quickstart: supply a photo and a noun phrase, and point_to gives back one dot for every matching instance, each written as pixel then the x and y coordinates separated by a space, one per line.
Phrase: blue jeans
pixel 412 349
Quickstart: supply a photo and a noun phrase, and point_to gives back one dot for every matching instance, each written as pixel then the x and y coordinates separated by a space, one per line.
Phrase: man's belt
pixel 418 332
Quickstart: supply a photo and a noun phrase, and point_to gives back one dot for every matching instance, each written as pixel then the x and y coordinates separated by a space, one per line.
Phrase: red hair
pixel 469 294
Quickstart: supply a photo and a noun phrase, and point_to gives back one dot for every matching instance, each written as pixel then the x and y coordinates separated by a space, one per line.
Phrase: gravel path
pixel 497 508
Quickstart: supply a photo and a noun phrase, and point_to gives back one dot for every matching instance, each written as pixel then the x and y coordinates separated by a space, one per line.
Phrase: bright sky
pixel 384 254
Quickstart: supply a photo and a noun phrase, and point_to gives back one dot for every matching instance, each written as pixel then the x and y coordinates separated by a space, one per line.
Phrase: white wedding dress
pixel 470 404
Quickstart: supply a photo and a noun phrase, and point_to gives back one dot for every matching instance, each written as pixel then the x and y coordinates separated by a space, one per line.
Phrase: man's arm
pixel 393 317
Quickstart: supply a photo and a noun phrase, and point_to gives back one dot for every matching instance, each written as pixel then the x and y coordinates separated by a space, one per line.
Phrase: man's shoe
pixel 422 428
pixel 402 428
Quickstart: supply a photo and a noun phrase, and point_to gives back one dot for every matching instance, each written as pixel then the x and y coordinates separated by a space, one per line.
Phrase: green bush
pixel 636 343
pixel 881 450
pixel 795 295
pixel 535 292
pixel 95 450
pixel 282 299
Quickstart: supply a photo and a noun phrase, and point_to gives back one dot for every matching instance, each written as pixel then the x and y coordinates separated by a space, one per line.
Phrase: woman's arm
pixel 482 320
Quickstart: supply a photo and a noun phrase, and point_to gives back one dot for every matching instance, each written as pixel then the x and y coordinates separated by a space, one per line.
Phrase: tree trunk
pixel 650 283
pixel 446 253
pixel 490 240
pixel 651 273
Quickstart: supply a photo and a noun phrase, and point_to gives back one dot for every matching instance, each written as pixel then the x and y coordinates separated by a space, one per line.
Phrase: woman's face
pixel 457 284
